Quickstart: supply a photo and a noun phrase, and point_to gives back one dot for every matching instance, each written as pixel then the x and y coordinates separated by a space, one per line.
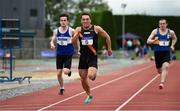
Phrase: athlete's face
pixel 63 21
pixel 163 24
pixel 86 21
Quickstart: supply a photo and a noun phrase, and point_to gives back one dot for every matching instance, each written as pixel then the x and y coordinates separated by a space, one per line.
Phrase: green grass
pixel 178 54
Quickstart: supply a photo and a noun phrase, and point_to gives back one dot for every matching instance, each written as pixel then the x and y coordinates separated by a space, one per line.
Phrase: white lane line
pixel 127 101
pixel 125 75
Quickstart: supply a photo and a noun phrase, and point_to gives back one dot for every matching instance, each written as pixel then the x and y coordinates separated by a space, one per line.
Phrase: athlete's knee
pixel 159 70
pixel 90 76
pixel 59 72
pixel 66 71
pixel 165 65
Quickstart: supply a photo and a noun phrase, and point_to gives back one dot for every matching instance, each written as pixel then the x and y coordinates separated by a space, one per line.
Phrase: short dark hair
pixel 86 13
pixel 162 19
pixel 64 15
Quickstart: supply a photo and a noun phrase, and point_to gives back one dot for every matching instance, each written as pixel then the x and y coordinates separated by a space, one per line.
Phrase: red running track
pixel 131 88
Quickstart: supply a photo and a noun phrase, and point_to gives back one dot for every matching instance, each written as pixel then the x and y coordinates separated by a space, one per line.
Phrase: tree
pixel 56 7
pixel 72 7
pixel 107 22
pixel 92 5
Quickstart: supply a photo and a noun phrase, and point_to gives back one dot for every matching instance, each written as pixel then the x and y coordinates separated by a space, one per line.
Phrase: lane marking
pixel 121 106
pixel 124 76
pixel 127 101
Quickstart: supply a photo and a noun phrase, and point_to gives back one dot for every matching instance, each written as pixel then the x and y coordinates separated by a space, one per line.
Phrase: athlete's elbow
pixel 148 42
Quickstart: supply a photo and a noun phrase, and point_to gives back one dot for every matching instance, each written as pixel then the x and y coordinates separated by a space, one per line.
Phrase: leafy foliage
pixel 72 7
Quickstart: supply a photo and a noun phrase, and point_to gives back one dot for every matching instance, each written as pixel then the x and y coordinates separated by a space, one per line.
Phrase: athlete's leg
pixel 67 65
pixel 92 72
pixel 85 84
pixel 159 70
pixel 164 73
pixel 84 80
pixel 61 82
pixel 67 71
pixel 60 78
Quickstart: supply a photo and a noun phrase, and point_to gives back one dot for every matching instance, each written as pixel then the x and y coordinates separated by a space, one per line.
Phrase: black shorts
pixel 63 61
pixel 161 57
pixel 86 61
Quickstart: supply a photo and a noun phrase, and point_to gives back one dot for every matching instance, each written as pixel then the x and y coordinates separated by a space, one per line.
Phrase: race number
pixel 87 41
pixel 62 41
pixel 163 43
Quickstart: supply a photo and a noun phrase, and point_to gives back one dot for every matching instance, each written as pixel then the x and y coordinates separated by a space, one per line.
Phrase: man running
pixel 88 40
pixel 63 35
pixel 160 38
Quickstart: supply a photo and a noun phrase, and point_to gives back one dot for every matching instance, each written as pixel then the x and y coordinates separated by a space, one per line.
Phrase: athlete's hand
pixel 172 48
pixel 52 46
pixel 156 40
pixel 109 52
pixel 77 34
pixel 80 34
pixel 78 53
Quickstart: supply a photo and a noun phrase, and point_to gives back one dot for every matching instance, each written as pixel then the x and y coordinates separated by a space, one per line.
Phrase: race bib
pixel 163 43
pixel 87 41
pixel 62 41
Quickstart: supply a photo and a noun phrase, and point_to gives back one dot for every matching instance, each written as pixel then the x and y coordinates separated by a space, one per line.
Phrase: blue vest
pixel 164 44
pixel 64 44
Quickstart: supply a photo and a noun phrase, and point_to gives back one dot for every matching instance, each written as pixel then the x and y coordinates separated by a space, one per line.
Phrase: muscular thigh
pixel 83 73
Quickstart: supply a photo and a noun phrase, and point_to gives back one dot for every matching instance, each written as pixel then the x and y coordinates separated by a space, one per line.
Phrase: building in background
pixel 30 17
pixel 31 14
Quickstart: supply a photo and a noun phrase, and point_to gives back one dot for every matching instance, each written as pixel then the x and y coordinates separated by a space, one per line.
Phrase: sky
pixel 148 7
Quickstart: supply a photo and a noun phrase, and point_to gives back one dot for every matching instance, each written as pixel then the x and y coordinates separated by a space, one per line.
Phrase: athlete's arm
pixel 152 39
pixel 53 40
pixel 73 31
pixel 78 48
pixel 104 34
pixel 174 39
pixel 76 34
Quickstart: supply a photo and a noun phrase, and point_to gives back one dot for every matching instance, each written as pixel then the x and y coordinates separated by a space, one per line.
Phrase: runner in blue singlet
pixel 160 38
pixel 64 50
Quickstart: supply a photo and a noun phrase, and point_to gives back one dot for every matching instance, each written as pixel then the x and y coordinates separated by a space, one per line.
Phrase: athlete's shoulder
pixel 154 31
pixel 98 28
pixel 56 29
pixel 78 28
pixel 71 28
pixel 171 31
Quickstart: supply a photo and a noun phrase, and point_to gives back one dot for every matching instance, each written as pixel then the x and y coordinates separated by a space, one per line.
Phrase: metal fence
pixel 30 48
pixel 34 48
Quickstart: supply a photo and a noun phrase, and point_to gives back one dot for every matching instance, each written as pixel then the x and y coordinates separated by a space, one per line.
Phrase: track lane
pixel 76 103
pixel 37 100
pixel 154 99
pixel 107 97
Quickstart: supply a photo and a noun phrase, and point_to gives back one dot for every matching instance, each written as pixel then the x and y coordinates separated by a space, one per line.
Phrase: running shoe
pixel 88 99
pixel 161 86
pixel 69 74
pixel 61 91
